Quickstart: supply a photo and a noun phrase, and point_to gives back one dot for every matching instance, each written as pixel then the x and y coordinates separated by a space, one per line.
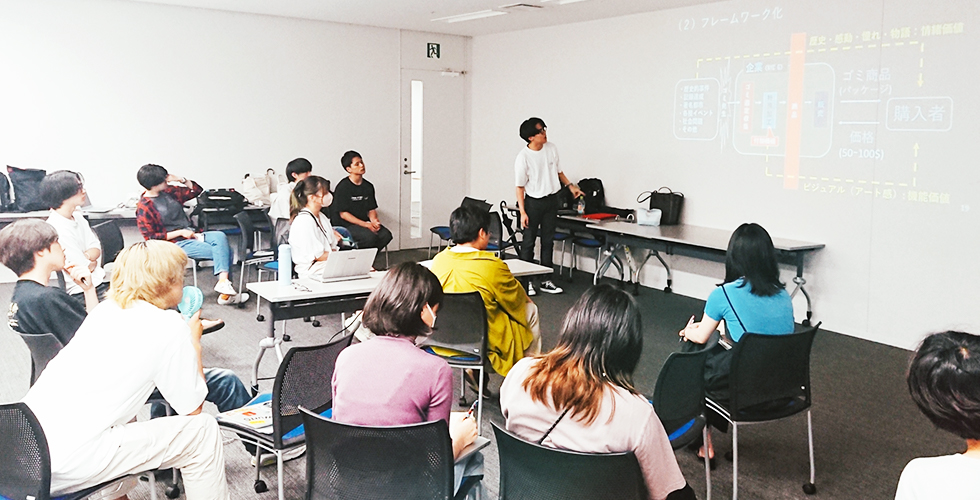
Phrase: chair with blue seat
pixel 25 462
pixel 563 237
pixel 303 379
pixel 530 470
pixel 443 233
pixel 460 337
pixel 769 380
pixel 249 253
pixel 679 402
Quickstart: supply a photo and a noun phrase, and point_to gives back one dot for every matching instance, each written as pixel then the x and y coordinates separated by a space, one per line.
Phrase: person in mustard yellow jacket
pixel 512 316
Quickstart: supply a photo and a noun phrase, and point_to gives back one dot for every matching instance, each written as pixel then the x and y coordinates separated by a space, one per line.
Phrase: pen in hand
pixel 469 413
pixel 689 323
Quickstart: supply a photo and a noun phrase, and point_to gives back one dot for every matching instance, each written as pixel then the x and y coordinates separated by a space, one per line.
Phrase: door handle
pixel 408 172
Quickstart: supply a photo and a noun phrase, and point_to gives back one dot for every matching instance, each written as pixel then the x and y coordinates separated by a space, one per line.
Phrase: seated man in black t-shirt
pixel 356 207
pixel 30 249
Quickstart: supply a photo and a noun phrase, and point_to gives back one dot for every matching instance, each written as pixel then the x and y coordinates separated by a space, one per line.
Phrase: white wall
pixel 892 270
pixel 103 87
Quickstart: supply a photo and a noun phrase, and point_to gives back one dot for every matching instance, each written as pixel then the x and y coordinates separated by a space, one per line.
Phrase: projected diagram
pixel 782 107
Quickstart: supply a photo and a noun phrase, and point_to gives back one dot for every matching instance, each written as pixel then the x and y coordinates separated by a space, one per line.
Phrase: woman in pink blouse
pixel 387 380
pixel 580 396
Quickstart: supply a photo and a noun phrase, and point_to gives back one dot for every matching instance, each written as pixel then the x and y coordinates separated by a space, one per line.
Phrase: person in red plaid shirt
pixel 160 216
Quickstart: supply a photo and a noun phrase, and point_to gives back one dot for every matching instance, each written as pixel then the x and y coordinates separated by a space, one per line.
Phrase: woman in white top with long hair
pixel 311 237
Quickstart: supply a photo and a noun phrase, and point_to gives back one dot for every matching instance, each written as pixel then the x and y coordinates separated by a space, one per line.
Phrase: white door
pixel 434 146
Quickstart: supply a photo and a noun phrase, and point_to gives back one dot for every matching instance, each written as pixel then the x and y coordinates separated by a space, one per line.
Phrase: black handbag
pixel 670 204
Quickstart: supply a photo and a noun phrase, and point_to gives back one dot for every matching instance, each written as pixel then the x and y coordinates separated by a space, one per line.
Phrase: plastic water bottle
pixel 285 265
pixel 580 205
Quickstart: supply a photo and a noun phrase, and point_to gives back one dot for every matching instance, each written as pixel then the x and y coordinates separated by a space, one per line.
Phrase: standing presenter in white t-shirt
pixel 539 178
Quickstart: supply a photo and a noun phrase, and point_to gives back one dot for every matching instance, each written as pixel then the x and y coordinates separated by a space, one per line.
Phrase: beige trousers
pixel 189 443
pixel 533 323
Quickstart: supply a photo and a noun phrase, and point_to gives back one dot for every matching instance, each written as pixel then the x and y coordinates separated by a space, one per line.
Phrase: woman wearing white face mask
pixel 311 237
pixel 389 381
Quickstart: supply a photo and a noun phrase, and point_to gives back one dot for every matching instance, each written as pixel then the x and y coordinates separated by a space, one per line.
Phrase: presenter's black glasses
pixel 542 129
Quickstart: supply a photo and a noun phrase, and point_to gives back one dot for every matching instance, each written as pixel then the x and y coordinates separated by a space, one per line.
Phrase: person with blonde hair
pixel 128 345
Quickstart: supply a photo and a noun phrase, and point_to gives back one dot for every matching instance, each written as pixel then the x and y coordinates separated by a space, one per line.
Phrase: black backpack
pixel 228 199
pixel 595 195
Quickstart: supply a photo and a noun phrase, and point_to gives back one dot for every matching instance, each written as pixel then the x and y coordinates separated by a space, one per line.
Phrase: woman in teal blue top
pixel 751 299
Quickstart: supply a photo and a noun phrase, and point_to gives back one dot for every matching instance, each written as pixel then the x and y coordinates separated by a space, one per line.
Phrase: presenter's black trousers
pixel 542 214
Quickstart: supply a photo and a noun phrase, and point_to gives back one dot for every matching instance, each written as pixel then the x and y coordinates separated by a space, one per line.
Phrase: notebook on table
pixel 348 265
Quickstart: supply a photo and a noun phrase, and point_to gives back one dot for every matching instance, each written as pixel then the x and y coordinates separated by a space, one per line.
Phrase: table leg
pixel 800 281
pixel 266 343
pixel 670 274
pixel 608 254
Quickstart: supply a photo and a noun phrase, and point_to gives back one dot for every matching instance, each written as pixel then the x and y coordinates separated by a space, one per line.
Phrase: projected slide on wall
pixel 815 107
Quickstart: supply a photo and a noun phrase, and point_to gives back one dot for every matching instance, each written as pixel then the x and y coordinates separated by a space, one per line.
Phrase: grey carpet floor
pixel 865 426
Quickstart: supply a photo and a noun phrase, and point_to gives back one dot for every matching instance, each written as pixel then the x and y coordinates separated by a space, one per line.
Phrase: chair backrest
pixel 303 379
pixel 462 324
pixel 508 224
pixel 247 229
pixel 44 347
pixel 111 239
pixel 771 370
pixel 496 231
pixel 475 203
pixel 529 471
pixel 679 395
pixel 355 462
pixel 25 466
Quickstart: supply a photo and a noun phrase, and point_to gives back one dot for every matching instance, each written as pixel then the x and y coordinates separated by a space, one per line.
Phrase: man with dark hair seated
pixel 512 316
pixel 64 192
pixel 944 381
pixel 30 248
pixel 356 206
pixel 160 216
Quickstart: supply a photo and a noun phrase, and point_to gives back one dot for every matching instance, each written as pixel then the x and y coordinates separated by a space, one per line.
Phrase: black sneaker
pixel 548 287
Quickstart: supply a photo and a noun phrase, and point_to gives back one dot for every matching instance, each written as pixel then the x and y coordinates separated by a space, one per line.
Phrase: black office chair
pixel 679 402
pixel 769 380
pixel 25 463
pixel 497 243
pixel 111 239
pixel 249 253
pixel 462 330
pixel 354 462
pixel 303 379
pixel 44 347
pixel 512 230
pixel 529 471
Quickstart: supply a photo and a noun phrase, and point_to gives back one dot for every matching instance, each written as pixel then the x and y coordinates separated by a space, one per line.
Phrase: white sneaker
pixel 270 458
pixel 225 287
pixel 530 290
pixel 548 287
pixel 225 300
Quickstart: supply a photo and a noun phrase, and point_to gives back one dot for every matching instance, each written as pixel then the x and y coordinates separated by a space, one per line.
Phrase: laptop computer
pixel 348 265
pixel 89 208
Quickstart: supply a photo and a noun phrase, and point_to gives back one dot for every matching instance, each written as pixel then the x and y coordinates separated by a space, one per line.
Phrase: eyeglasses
pixel 541 130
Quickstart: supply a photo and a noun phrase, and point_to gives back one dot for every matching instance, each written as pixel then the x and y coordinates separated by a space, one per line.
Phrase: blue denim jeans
pixel 225 390
pixel 214 248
